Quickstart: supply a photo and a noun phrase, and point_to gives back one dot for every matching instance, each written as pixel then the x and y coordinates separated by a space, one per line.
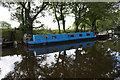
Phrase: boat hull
pixel 102 37
pixel 61 42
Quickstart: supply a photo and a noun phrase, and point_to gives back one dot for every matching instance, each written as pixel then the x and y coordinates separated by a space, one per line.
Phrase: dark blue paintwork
pixel 37 39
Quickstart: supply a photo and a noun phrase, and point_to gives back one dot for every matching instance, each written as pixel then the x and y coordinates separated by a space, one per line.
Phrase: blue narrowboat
pixel 40 39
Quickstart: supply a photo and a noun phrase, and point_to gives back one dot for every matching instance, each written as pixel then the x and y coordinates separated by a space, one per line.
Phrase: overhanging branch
pixel 41 9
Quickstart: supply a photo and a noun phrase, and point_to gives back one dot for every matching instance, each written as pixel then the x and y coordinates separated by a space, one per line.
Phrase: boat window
pixel 88 44
pixel 53 37
pixel 88 34
pixel 81 45
pixel 80 35
pixel 71 35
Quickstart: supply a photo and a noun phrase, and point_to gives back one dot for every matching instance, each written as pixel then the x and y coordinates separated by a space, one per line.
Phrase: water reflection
pixel 7 64
pixel 91 60
pixel 51 49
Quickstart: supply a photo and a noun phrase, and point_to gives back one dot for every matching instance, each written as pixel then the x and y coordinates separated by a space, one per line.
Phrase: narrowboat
pixel 102 35
pixel 53 38
pixel 58 48
pixel 105 34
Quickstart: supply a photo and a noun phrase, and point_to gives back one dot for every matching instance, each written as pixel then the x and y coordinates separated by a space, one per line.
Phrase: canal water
pixel 91 59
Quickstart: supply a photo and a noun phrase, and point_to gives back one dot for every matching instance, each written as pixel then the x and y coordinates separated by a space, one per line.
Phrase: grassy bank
pixel 7 33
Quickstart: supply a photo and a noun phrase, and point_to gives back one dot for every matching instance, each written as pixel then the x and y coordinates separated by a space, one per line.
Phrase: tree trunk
pixel 31 27
pixel 81 29
pixel 94 25
pixel 28 21
pixel 64 25
pixel 77 25
pixel 62 17
pixel 102 27
pixel 23 23
pixel 84 28
pixel 76 20
pixel 76 29
pixel 58 26
pixel 57 20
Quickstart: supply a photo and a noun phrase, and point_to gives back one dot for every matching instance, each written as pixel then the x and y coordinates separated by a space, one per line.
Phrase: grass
pixel 6 33
pixel 46 31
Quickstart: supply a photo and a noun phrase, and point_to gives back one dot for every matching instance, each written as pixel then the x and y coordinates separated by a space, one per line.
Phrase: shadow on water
pixel 93 59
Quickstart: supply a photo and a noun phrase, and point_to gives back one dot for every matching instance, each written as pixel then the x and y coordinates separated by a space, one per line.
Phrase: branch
pixel 23 5
pixel 39 26
pixel 42 8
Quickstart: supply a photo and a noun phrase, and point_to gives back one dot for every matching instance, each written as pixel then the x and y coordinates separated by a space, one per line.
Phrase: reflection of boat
pixel 51 49
pixel 102 41
pixel 39 39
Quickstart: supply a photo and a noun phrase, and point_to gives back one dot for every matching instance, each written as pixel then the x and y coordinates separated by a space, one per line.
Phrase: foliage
pixel 26 13
pixel 100 11
pixel 94 15
pixel 5 24
pixel 59 10
pixel 79 10
pixel 6 34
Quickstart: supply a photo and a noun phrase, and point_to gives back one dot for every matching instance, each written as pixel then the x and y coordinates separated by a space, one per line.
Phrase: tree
pixel 60 10
pixel 54 7
pixel 79 11
pixel 5 24
pixel 98 11
pixel 64 10
pixel 27 13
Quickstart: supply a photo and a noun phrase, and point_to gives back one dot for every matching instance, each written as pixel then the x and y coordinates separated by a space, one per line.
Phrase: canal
pixel 91 59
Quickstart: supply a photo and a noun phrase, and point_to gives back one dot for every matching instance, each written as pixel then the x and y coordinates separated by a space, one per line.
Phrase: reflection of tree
pixel 95 63
pixel 12 50
pixel 27 68
pixel 113 44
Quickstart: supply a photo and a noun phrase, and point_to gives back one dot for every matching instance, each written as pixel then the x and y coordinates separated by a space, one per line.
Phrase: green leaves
pixel 5 24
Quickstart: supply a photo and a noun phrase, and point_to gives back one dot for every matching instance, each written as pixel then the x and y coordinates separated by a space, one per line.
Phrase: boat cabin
pixel 37 39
